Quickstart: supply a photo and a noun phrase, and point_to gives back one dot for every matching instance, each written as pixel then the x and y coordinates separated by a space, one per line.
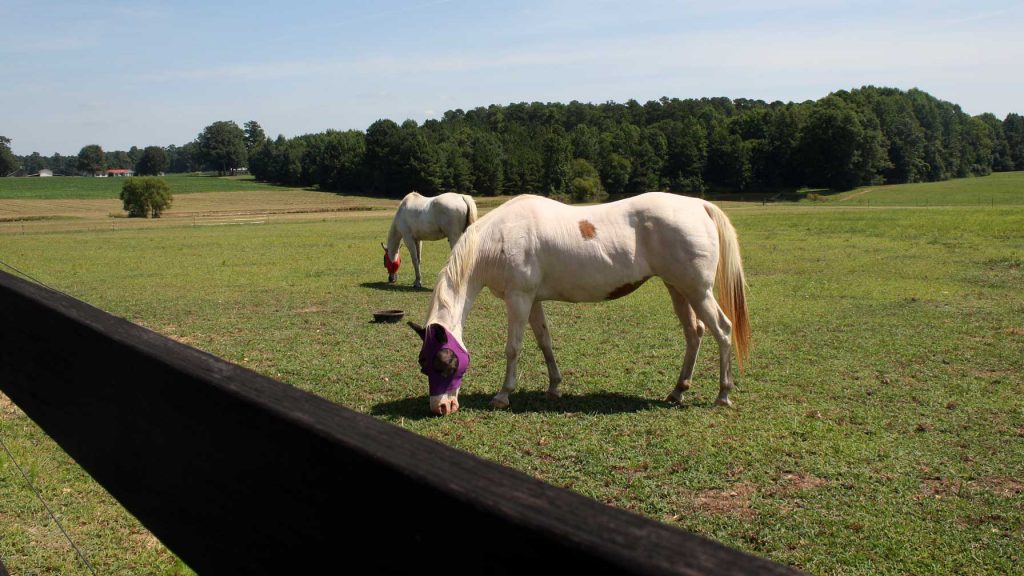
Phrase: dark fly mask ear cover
pixel 443 360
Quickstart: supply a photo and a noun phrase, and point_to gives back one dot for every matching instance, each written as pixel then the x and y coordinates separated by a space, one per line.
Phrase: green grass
pixel 81 187
pixel 878 429
pixel 999 189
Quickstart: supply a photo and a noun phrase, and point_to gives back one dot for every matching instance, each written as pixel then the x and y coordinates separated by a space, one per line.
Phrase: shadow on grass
pixel 770 197
pixel 533 402
pixel 394 287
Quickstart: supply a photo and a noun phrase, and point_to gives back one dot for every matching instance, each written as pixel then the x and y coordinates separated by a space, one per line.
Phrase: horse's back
pixel 643 217
pixel 432 218
pixel 587 253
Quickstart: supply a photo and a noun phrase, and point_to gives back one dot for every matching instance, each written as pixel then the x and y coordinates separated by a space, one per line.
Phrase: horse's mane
pixel 455 273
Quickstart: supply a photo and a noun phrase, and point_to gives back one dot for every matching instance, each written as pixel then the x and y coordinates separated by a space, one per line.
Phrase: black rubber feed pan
pixel 388 315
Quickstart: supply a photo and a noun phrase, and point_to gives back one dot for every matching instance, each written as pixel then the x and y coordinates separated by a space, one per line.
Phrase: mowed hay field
pixel 878 428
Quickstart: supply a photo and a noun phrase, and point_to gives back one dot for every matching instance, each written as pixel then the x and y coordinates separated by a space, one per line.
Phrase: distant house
pixel 45 173
pixel 115 172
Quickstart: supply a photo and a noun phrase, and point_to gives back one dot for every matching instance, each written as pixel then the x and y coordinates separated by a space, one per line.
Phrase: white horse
pixel 419 218
pixel 533 249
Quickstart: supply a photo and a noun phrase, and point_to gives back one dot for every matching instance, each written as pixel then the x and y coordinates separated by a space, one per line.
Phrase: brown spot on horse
pixel 587 230
pixel 626 289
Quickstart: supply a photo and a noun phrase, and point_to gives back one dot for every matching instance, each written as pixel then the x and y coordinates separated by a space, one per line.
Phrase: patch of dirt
pixel 986 374
pixel 800 481
pixel 1001 486
pixel 940 488
pixel 734 501
pixel 310 310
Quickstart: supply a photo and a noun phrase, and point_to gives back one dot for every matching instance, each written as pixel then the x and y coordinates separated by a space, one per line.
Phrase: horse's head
pixel 391 265
pixel 444 361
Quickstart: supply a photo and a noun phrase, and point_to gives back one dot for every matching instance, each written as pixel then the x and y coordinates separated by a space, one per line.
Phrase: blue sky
pixel 151 72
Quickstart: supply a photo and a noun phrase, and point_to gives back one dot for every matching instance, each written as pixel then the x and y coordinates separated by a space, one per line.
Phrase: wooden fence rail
pixel 238 473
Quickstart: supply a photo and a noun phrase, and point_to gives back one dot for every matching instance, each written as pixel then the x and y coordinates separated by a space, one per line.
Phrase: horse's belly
pixel 574 284
pixel 430 235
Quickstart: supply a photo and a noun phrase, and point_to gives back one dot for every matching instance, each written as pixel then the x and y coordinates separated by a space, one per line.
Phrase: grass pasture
pixel 999 189
pixel 84 187
pixel 878 429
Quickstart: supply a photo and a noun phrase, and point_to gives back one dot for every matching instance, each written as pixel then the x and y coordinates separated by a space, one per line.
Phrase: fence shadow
pixel 386 287
pixel 533 401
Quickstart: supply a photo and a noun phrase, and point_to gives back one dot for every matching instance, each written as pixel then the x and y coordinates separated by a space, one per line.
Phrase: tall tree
pixel 685 154
pixel 486 166
pixel 254 136
pixel 524 166
pixel 586 182
pixel 841 147
pixel 1013 128
pixel 222 147
pixel 152 161
pixel 420 160
pixel 383 158
pixel 8 163
pixel 91 159
pixel 34 162
pixel 334 160
pixel 183 158
pixel 1001 161
pixel 728 164
pixel 118 159
pixel 134 155
pixel 456 173
pixel 556 151
pixel 63 165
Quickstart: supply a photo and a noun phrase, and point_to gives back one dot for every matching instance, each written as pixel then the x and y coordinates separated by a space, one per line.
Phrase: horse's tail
pixel 731 282
pixel 470 209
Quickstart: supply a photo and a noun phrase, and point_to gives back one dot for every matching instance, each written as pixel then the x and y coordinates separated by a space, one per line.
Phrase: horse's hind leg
pixel 714 318
pixel 540 330
pixel 693 330
pixel 517 306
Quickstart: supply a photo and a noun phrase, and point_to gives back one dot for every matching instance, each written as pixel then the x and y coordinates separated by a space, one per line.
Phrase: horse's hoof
pixel 499 403
pixel 674 398
pixel 554 394
pixel 723 402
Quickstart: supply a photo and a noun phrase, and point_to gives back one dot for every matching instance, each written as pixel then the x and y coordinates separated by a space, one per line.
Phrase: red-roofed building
pixel 115 172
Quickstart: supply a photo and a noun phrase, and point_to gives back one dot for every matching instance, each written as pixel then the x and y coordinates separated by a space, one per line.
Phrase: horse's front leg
pixel 540 330
pixel 414 247
pixel 517 306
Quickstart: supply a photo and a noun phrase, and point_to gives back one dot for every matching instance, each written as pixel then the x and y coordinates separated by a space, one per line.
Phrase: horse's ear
pixel 384 247
pixel 418 329
pixel 439 334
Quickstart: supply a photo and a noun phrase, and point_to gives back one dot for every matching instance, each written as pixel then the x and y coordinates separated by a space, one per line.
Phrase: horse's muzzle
pixel 444 404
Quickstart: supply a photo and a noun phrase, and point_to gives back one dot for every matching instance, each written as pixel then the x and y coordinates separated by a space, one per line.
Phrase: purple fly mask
pixel 443 360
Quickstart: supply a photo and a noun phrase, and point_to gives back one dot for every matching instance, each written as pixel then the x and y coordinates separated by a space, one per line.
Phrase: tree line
pixel 151 160
pixel 582 151
pixel 585 151
pixel 222 147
